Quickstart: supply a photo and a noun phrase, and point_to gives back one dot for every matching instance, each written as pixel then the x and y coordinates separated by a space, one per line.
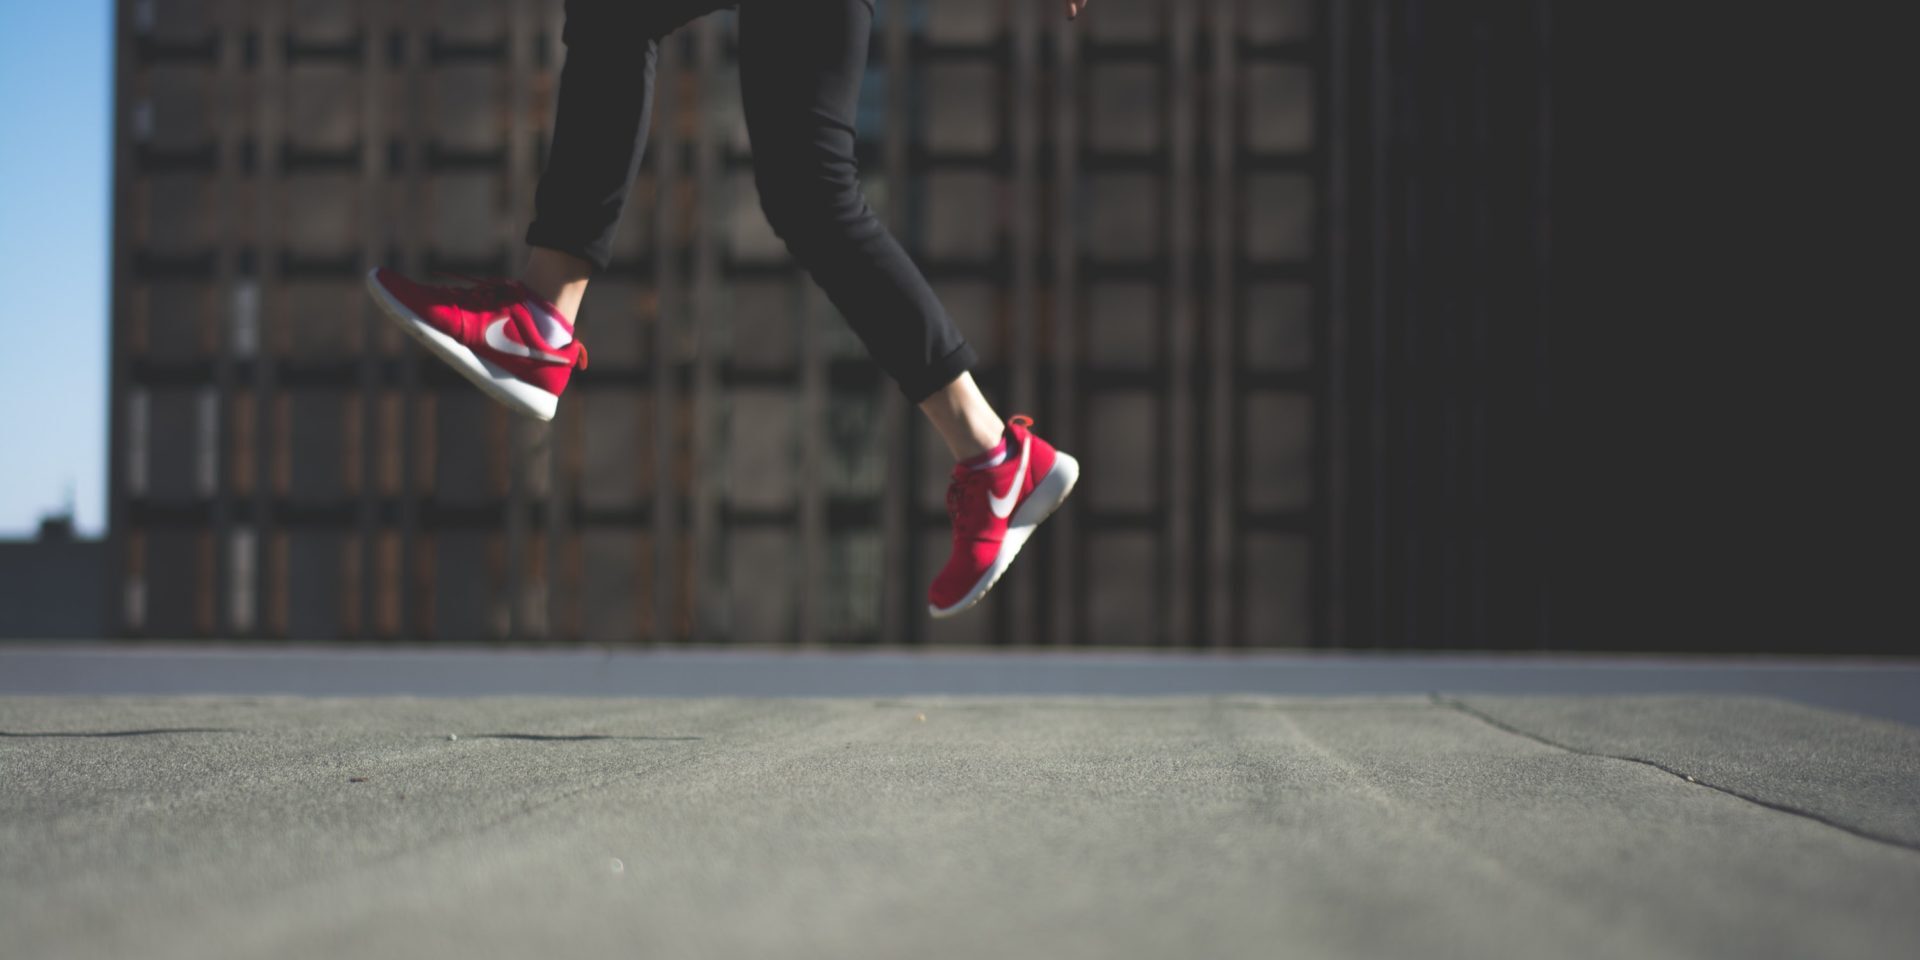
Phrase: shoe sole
pixel 493 379
pixel 1047 497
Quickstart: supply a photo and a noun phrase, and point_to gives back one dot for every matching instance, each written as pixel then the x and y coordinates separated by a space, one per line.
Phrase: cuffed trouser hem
pixel 597 251
pixel 929 380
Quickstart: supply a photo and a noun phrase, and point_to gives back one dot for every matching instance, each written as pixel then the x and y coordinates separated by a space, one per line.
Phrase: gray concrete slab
pixel 919 826
pixel 1889 689
pixel 1860 775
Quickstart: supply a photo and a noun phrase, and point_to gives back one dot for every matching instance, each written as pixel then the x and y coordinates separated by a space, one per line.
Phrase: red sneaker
pixel 513 345
pixel 994 511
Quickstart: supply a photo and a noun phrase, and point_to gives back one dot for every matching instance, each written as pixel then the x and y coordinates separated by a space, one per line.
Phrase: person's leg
pixel 559 277
pixel 963 418
pixel 801 62
pixel 514 339
pixel 599 133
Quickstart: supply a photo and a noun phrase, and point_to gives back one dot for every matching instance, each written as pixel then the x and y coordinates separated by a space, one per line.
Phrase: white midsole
pixel 1047 497
pixel 492 379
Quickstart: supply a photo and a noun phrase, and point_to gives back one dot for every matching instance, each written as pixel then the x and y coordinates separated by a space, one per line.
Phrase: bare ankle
pixel 561 278
pixel 963 418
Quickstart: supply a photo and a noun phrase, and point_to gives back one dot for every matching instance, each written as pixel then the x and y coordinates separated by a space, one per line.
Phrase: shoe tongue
pixel 547 322
pixel 965 476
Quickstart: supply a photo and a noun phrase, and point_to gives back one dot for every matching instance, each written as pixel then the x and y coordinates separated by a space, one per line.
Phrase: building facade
pixel 1126 215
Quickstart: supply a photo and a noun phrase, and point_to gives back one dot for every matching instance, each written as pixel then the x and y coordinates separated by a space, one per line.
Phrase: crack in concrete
pixel 115 733
pixel 1822 819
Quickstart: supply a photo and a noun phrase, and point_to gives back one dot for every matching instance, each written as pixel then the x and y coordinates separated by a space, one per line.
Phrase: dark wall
pixel 1441 250
pixel 1620 374
pixel 1735 386
pixel 1739 393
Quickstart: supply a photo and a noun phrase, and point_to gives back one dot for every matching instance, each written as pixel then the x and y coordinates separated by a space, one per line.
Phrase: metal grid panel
pixel 1133 253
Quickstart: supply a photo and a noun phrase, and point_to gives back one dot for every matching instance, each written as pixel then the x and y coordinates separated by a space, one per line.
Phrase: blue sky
pixel 56 71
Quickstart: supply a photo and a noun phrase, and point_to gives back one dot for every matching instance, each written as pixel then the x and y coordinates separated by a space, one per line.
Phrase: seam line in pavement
pixel 1690 778
pixel 113 733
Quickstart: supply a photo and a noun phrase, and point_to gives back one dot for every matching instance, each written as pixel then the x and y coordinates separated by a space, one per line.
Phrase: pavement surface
pixel 1885 688
pixel 936 826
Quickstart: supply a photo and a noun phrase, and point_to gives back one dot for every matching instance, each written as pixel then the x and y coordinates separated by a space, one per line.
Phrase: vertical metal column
pixel 1379 228
pixel 269 100
pixel 1412 527
pixel 1179 198
pixel 899 597
pixel 1333 135
pixel 709 575
pixel 1473 392
pixel 407 215
pixel 665 147
pixel 558 515
pixel 1541 234
pixel 373 231
pixel 1223 576
pixel 810 581
pixel 225 282
pixel 1025 247
pixel 1069 552
pixel 526 451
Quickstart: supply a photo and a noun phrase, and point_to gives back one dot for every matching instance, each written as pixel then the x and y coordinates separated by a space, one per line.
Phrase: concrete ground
pixel 1888 689
pixel 1231 825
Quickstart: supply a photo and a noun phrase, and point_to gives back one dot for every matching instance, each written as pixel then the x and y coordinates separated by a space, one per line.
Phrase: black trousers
pixel 801 63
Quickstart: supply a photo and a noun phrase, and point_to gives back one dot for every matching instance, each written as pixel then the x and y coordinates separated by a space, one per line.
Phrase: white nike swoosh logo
pixel 1003 507
pixel 498 340
pixel 552 330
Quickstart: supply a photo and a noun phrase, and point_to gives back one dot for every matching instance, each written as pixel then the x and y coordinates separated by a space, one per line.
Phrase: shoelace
pixel 481 293
pixel 968 492
pixel 491 293
pixel 966 497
